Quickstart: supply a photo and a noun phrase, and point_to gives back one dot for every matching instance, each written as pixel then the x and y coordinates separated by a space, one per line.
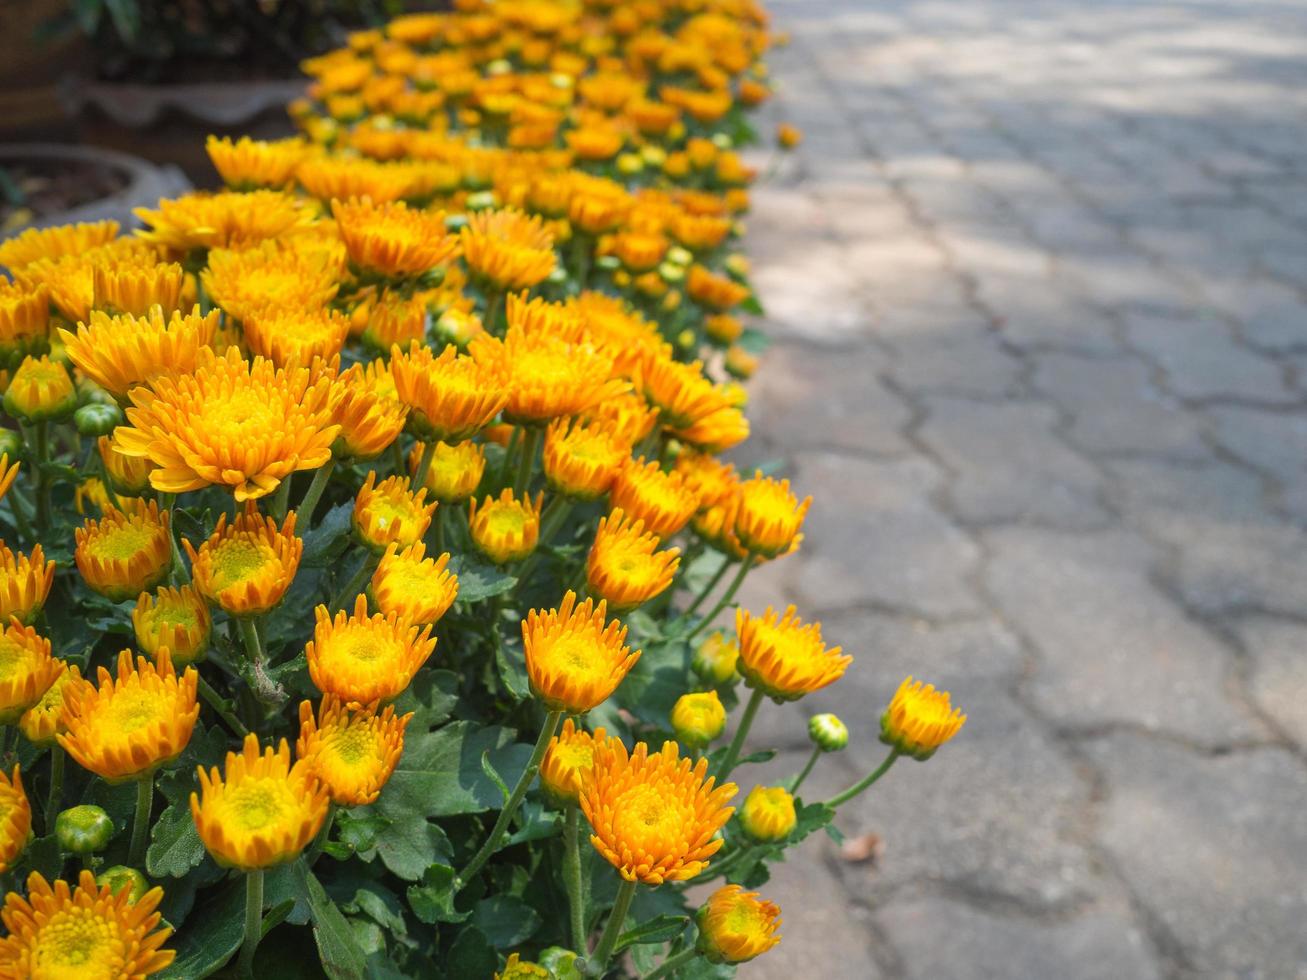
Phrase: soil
pixel 32 189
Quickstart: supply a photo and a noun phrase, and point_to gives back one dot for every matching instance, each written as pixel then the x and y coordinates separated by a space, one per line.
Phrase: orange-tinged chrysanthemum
pixel 37 244
pixel 768 814
pixel 596 205
pixel 655 815
pixel 125 552
pixel 352 751
pixel 568 761
pixel 919 719
pixel 133 723
pixel 24 321
pixel 24 583
pixel 177 620
pixel 44 720
pixel 370 421
pixel 628 416
pixel 714 291
pixel 40 390
pixel 15 819
pixel 454 472
pixel 625 566
pixel 662 500
pixel 722 430
pixel 503 528
pixel 396 321
pixel 70 279
pixel 227 219
pixel 711 479
pixel 246 281
pixel 681 392
pixel 246 164
pixel 127 475
pixel 769 516
pixel 392 239
pixel 231 423
pixel 450 396
pixel 409 584
pixel 361 658
pixel 735 926
pixel 26 670
pixel 260 811
pixel 290 337
pixel 246 565
pixel 574 659
pixel 87 932
pixel 716 525
pixel 133 287
pixel 581 460
pixel 784 657
pixel 698 717
pixel 507 249
pixel 120 352
pixel 326 177
pixel 390 513
pixel 8 473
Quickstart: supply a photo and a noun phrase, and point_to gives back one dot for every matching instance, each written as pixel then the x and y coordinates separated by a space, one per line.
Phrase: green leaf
pixel 809 819
pixel 659 677
pixel 754 341
pixel 44 855
pixel 175 845
pixel 431 697
pixel 433 900
pixel 536 822
pixel 440 773
pixel 211 936
pixel 510 662
pixel 471 955
pixel 338 948
pixel 327 542
pixel 506 921
pixel 478 580
pixel 493 776
pixel 662 929
pixel 753 305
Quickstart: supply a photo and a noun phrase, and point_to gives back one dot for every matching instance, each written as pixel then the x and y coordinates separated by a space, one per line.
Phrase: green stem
pixel 612 929
pixel 324 834
pixel 530 442
pixel 216 701
pixel 439 531
pixel 803 773
pixel 494 307
pixel 304 513
pixel 55 799
pixel 141 822
pixel 727 596
pixel 741 733
pixel 509 450
pixel 550 521
pixel 177 570
pixel 345 598
pixel 724 866
pixel 707 589
pixel 514 801
pixel 572 877
pixel 672 963
pixel 863 784
pixel 18 506
pixel 42 449
pixel 424 464
pixel 268 691
pixel 281 499
pixel 253 923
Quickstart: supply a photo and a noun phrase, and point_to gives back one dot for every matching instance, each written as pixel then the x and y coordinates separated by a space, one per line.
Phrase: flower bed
pixel 373 531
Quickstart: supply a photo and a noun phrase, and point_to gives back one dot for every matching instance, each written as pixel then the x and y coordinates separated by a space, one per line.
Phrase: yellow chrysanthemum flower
pixel 655 816
pixel 40 390
pixel 24 583
pixel 88 932
pixel 451 397
pixel 507 249
pixel 735 926
pixel 596 205
pixel 713 291
pixel 125 552
pixel 784 657
pixel 709 478
pixel 37 244
pixel 388 512
pixel 15 819
pixel 412 586
pixel 715 658
pixel 568 761
pixel 681 392
pixel 769 516
pixel 370 421
pixel 247 164
pixel 24 321
pixel 640 251
pixel 232 423
pixel 121 352
pixel 130 725
pixel 260 811
pixel 352 751
pixel 326 177
pixel 716 525
pixel 724 429
pixel 573 660
pixel 396 321
pixel 127 475
pixel 768 814
pixel 503 528
pixel 132 287
pixel 454 472
pixel 246 566
pixel 26 670
pixel 581 460
pixel 227 219
pixel 176 620
pixel 919 719
pixel 248 281
pixel 663 501
pixel 290 337
pixel 698 717
pixel 8 473
pixel 361 658
pixel 627 416
pixel 517 968
pixel 393 240
pixel 44 720
pixel 625 567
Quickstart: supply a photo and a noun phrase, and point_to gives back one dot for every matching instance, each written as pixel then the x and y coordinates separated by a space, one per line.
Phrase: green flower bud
pixel 608 263
pixel 11 444
pixel 97 419
pixel 83 829
pixel 679 256
pixel 481 201
pixel 715 658
pixel 561 963
pixel 827 732
pixel 671 272
pixel 90 393
pixel 119 877
pixel 698 718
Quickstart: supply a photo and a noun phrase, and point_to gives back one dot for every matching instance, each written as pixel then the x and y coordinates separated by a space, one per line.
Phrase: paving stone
pixel 1105 635
pixel 873 538
pixel 1008 464
pixel 1274 442
pixel 1278 671
pixel 939 937
pixel 1033 312
pixel 1213 847
pixel 949 352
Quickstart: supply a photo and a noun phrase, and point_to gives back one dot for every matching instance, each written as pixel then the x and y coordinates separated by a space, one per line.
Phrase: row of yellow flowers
pixel 464 354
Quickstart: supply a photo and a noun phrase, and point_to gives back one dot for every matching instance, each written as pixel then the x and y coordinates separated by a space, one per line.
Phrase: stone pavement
pixel 1038 282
